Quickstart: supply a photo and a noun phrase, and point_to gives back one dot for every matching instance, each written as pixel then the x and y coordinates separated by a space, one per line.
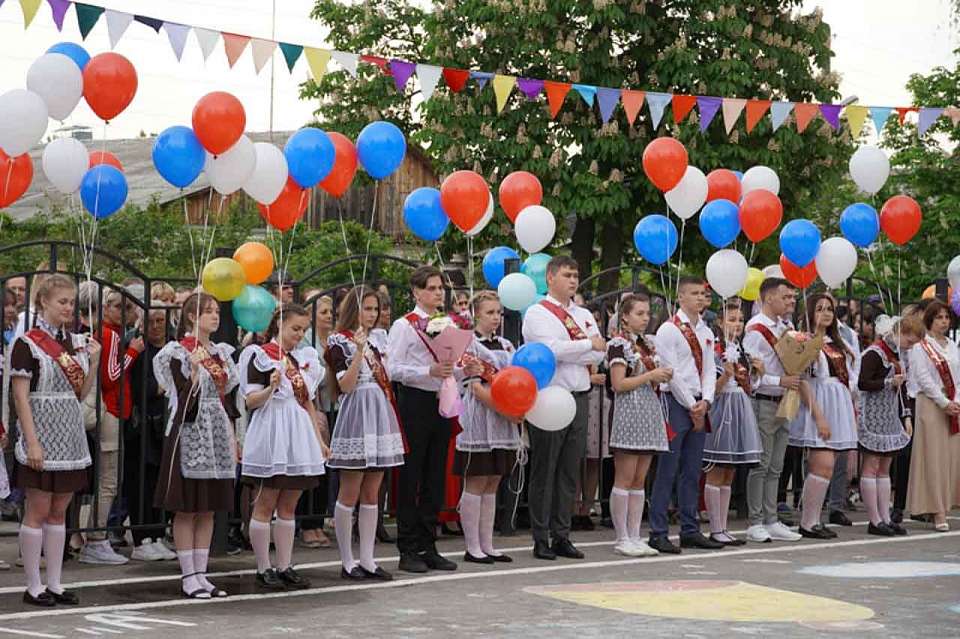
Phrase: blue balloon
pixel 310 156
pixel 539 360
pixel 860 224
pixel 535 267
pixel 253 308
pixel 103 190
pixel 73 51
pixel 720 222
pixel 800 241
pixel 494 268
pixel 423 214
pixel 739 175
pixel 178 156
pixel 381 148
pixel 655 238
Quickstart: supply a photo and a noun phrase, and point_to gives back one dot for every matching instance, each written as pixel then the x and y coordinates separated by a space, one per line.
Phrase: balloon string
pixel 753 247
pixel 193 250
pixel 6 184
pixel 470 273
pixel 899 280
pixel 346 245
pixel 683 227
pixel 366 253
pixel 876 278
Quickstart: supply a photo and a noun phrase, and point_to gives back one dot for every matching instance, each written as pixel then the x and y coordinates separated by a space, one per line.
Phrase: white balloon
pixel 535 228
pixel 554 409
pixel 727 272
pixel 773 270
pixel 58 80
pixel 686 198
pixel 836 261
pixel 869 168
pixel 482 224
pixel 517 291
pixel 230 170
pixel 953 273
pixel 270 175
pixel 23 121
pixel 760 177
pixel 65 161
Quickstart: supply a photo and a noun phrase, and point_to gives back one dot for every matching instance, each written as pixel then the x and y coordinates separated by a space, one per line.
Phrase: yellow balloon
pixel 751 290
pixel 223 278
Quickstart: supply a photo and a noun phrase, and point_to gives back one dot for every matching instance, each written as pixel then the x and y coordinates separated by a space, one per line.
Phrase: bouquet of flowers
pixel 797 351
pixel 447 340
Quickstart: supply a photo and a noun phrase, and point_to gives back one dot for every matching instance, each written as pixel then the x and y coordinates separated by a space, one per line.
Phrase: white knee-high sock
pixel 814 490
pixel 201 557
pixel 711 495
pixel 367 524
pixel 883 504
pixel 635 504
pixel 868 493
pixel 470 522
pixel 619 507
pixel 343 521
pixel 53 540
pixel 188 570
pixel 488 513
pixel 31 545
pixel 284 530
pixel 260 540
pixel 724 506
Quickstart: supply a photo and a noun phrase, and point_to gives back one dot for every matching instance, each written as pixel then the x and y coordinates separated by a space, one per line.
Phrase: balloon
pixel 109 84
pixel 517 291
pixel 56 79
pixel 223 278
pixel 104 157
pixel 665 162
pixel 723 185
pixel 953 272
pixel 230 171
pixel 800 277
pixel 253 308
pixel 482 224
pixel 751 290
pixel 423 214
pixel 218 120
pixel 310 156
pixel 739 175
pixel 720 222
pixel 270 176
pixel 464 197
pixel 535 228
pixel 344 166
pixel 955 302
pixel 760 214
pixel 554 409
pixel 686 198
pixel 103 190
pixel 283 213
pixel 900 218
pixel 381 148
pixel 869 168
pixel 519 190
pixel 256 260
pixel 494 266
pixel 23 121
pixel 535 267
pixel 513 390
pixel 860 224
pixel 773 270
pixel 539 360
pixel 760 178
pixel 16 174
pixel 929 293
pixel 836 261
pixel 655 238
pixel 73 51
pixel 178 156
pixel 800 241
pixel 65 161
pixel 726 272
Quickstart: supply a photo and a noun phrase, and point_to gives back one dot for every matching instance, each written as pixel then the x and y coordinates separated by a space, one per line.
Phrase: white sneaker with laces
pixel 627 548
pixel 100 552
pixel 162 551
pixel 779 532
pixel 146 551
pixel 644 549
pixel 758 533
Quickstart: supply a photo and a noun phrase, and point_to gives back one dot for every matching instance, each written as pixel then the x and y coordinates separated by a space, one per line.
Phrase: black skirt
pixel 499 461
pixel 51 481
pixel 180 494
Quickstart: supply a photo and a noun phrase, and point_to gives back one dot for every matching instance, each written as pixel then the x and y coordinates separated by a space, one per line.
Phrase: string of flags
pixel 605 99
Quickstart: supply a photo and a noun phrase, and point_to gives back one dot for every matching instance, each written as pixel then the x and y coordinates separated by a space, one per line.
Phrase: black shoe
pixel 727 540
pixel 501 559
pixel 542 550
pixel 44 599
pixel 67 597
pixel 379 574
pixel 840 518
pixel 818 532
pixel 607 522
pixel 435 561
pixel 664 545
pixel 293 580
pixel 470 559
pixel 382 535
pixel 897 528
pixel 564 548
pixel 881 530
pixel 697 540
pixel 576 522
pixel 355 574
pixel 270 580
pixel 452 532
pixel 411 562
pixel 924 518
pixel 829 532
pixel 896 516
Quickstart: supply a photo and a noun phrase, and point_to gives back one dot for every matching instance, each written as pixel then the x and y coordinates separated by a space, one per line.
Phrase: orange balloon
pixel 104 157
pixel 519 190
pixel 900 218
pixel 16 174
pixel 800 277
pixel 665 162
pixel 464 197
pixel 109 84
pixel 722 184
pixel 760 214
pixel 344 165
pixel 218 121
pixel 284 212
pixel 514 391
pixel 930 292
pixel 256 260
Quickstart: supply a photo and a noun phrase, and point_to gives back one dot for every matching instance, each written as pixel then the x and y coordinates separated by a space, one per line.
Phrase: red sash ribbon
pixel 946 378
pixel 837 363
pixel 292 372
pixel 696 351
pixel 70 367
pixel 766 333
pixel 213 366
pixel 573 329
pixel 891 356
pixel 647 357
pixel 740 374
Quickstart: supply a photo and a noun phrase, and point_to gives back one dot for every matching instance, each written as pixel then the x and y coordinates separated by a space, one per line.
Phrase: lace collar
pixel 50 329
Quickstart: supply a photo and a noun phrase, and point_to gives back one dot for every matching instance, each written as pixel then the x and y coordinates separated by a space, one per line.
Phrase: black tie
pixel 60 336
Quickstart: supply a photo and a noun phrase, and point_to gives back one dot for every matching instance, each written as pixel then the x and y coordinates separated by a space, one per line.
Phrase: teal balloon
pixel 535 267
pixel 253 308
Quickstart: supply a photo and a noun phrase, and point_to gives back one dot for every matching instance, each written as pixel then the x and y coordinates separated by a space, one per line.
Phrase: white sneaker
pixel 758 533
pixel 162 551
pixel 627 548
pixel 779 532
pixel 100 552
pixel 146 551
pixel 644 549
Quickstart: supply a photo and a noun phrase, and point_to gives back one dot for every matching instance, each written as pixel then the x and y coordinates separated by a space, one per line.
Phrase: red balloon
pixel 284 212
pixel 15 177
pixel 464 197
pixel 519 190
pixel 104 157
pixel 665 162
pixel 801 277
pixel 513 390
pixel 109 84
pixel 760 214
pixel 900 218
pixel 218 121
pixel 722 184
pixel 344 166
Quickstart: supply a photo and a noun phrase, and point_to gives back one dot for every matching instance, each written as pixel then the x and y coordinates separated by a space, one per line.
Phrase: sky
pixel 878 45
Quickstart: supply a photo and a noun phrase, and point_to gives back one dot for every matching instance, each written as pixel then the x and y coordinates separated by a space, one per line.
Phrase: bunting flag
pixel 482 77
pixel 262 52
pixel 756 109
pixel 831 113
pixel 928 115
pixel 456 79
pixel 903 111
pixel 233 46
pixel 657 102
pixel 87 18
pixel 880 115
pixel 632 103
pixel 117 23
pixel 317 60
pixel 805 112
pixel 377 61
pixel 587 92
pixel 607 99
pixel 346 60
pixel 429 75
pixel 732 107
pixel 779 111
pixel 954 114
pixel 856 116
pixel 29 8
pixel 556 94
pixel 682 105
pixel 177 34
pixel 59 9
pixel 530 87
pixel 502 86
pixel 153 23
pixel 708 106
pixel 207 40
pixel 401 70
pixel 291 53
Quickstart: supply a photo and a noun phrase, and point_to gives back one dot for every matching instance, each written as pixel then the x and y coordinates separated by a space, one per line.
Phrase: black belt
pixel 413 389
pixel 768 398
pixel 580 393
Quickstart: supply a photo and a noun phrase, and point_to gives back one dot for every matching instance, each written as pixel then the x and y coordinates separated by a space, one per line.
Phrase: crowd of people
pixel 332 413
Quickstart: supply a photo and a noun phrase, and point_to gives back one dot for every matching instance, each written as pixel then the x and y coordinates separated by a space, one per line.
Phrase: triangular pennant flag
pixel 317 59
pixel 632 103
pixel 682 106
pixel 117 23
pixel 880 115
pixel 59 8
pixel 831 113
pixel 587 92
pixel 482 77
pixel 779 112
pixel 402 70
pixel 346 60
pixel 429 76
pixel 708 106
pixel 732 107
pixel 607 100
pixel 502 86
pixel 291 53
pixel 29 8
pixel 177 34
pixel 756 109
pixel 233 46
pixel 856 116
pixel 377 61
pixel 87 17
pixel 456 79
pixel 903 111
pixel 207 39
pixel 954 114
pixel 153 23
pixel 530 87
pixel 657 102
pixel 556 94
pixel 262 52
pixel 928 115
pixel 805 112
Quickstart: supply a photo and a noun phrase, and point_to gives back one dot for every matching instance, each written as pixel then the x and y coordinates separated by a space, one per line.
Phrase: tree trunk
pixel 581 245
pixel 611 254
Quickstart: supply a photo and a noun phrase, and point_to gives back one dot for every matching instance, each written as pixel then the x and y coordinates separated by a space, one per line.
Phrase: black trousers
pixel 136 471
pixel 900 469
pixel 422 479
